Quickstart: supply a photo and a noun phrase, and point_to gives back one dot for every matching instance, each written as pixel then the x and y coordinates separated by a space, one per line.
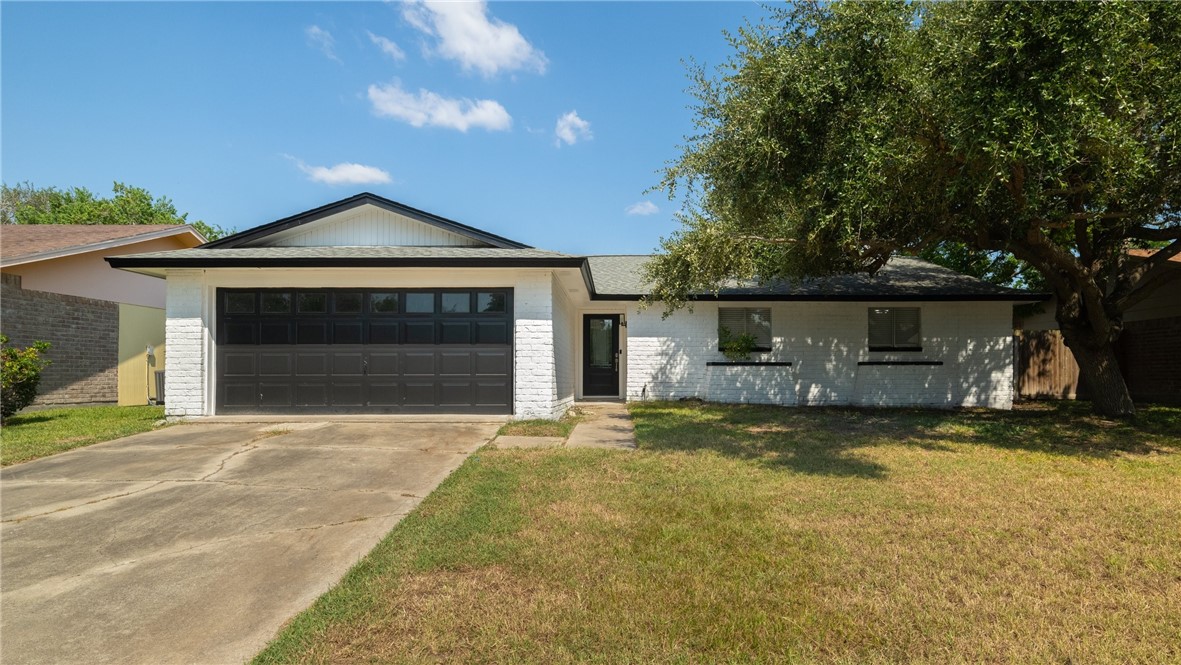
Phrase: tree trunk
pixel 1100 369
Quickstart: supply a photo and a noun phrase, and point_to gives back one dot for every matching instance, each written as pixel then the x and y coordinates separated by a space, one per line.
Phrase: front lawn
pixel 751 534
pixel 34 434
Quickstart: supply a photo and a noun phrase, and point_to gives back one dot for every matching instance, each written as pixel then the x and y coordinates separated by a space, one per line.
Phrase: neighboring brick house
pixel 56 287
pixel 369 306
pixel 1148 350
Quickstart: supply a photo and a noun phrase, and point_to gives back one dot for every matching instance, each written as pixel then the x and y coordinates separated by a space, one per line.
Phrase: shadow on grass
pixel 17 420
pixel 824 440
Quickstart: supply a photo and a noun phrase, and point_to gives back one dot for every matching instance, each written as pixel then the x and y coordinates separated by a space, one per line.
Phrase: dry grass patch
pixel 755 534
pixel 543 427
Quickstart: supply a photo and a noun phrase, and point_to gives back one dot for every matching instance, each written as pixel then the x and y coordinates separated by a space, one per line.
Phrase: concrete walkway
pixel 195 543
pixel 605 425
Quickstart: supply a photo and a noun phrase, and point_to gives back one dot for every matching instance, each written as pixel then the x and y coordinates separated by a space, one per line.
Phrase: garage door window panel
pixel 347 303
pixel 457 303
pixel 383 303
pixel 312 303
pixel 491 302
pixel 276 303
pixel 420 303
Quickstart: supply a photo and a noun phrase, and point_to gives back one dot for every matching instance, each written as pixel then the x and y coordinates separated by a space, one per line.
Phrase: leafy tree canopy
pixel 27 204
pixel 1036 134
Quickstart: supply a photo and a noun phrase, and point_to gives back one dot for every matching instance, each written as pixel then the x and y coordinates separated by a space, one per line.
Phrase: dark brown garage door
pixel 364 351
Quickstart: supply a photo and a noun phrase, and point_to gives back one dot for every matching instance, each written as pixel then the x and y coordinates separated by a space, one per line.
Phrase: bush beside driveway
pixel 764 534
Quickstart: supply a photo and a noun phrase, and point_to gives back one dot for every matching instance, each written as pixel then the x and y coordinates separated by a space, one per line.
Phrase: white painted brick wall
pixel 184 333
pixel 825 342
pixel 535 380
pixel 751 384
pixel 564 331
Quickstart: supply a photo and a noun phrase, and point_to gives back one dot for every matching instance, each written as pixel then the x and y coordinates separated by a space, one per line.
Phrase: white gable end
pixel 367 226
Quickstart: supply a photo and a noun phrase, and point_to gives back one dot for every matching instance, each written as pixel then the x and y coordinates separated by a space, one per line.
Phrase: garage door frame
pixel 355 374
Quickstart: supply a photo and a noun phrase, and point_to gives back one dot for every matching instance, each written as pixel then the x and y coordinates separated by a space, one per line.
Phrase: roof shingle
pixel 903 278
pixel 24 240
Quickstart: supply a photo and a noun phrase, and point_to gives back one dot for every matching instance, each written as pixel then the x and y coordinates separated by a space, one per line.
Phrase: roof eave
pixel 213 261
pixel 881 297
pixel 242 238
pixel 102 245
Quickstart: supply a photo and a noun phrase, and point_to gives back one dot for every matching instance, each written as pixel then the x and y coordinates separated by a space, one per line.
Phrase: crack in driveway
pixel 63 584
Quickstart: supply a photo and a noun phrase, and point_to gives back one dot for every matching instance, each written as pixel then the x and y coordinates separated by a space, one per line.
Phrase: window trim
pixel 895 347
pixel 746 310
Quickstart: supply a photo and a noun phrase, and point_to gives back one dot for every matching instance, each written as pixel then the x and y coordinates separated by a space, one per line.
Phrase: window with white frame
pixel 895 329
pixel 737 321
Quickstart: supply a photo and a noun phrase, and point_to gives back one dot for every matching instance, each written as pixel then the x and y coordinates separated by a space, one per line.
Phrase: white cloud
pixel 322 39
pixel 642 208
pixel 426 108
pixel 571 129
pixel 387 46
pixel 468 35
pixel 345 173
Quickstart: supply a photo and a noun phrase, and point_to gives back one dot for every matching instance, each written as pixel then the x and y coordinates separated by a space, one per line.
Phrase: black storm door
pixel 600 355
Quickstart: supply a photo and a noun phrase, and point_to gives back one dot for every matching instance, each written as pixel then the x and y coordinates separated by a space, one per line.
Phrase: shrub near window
pixel 20 373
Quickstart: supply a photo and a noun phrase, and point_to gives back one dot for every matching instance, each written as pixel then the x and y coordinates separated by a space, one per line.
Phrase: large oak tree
pixel 840 134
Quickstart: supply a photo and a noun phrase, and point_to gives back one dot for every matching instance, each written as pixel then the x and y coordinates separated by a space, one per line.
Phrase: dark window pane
pixel 239 303
pixel 490 302
pixel 312 303
pixel 383 303
pixel 348 303
pixel 420 303
pixel 457 303
pixel 907 327
pixel 881 327
pixel 276 303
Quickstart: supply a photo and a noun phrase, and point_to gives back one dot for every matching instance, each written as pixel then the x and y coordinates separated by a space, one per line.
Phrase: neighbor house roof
pixel 345 257
pixel 1146 253
pixel 25 243
pixel 620 277
pixel 251 236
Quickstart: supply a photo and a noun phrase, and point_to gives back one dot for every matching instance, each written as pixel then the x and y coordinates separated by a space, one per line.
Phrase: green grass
pixel 35 434
pixel 758 534
pixel 541 427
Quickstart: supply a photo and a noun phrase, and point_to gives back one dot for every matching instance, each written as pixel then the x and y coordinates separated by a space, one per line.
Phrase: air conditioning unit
pixel 159 386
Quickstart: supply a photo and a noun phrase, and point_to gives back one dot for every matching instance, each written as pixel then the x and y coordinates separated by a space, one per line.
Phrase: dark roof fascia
pixel 241 238
pixel 587 278
pixel 770 297
pixel 214 261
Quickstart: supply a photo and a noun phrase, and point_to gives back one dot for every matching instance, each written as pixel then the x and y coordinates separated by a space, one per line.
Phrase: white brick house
pixel 369 306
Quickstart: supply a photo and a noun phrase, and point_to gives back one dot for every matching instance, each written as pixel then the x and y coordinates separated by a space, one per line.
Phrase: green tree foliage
pixel 27 204
pixel 843 133
pixel 20 374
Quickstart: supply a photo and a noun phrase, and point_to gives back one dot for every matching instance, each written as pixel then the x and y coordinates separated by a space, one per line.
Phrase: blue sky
pixel 541 121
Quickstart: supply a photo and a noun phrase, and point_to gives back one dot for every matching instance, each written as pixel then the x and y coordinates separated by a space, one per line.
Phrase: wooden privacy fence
pixel 1045 367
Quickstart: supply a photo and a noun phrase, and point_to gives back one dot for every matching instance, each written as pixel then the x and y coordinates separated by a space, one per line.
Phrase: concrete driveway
pixel 193 544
